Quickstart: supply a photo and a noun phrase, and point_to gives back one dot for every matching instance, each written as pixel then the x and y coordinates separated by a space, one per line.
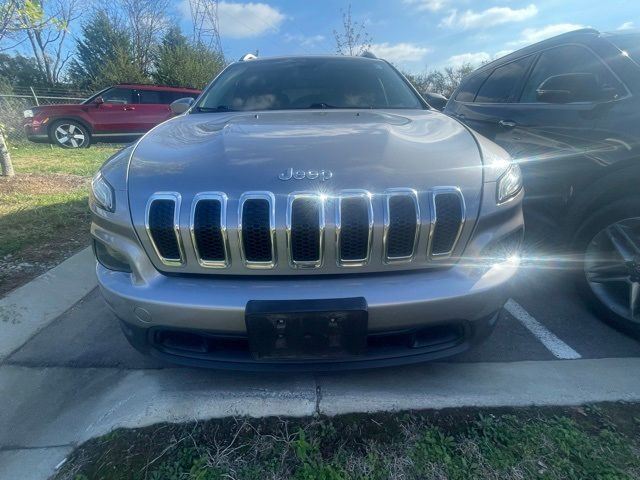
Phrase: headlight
pixel 103 193
pixel 509 184
pixel 28 114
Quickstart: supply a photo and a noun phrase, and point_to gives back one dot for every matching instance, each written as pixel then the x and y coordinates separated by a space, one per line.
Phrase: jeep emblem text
pixel 301 174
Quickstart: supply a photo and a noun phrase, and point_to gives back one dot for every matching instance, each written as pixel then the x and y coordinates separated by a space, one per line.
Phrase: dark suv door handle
pixel 507 123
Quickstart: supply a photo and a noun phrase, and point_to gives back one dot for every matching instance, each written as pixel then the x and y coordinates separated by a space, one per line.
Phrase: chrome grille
pixel 354 226
pixel 257 229
pixel 408 232
pixel 305 230
pixel 402 225
pixel 448 220
pixel 208 229
pixel 162 224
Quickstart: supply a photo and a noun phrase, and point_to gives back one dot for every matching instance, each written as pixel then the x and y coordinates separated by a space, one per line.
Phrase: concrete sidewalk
pixel 28 309
pixel 48 411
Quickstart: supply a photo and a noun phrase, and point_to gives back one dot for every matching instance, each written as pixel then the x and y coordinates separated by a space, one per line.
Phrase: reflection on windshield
pixel 308 83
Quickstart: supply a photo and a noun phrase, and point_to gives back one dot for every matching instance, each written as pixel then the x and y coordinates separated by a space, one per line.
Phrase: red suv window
pixel 119 95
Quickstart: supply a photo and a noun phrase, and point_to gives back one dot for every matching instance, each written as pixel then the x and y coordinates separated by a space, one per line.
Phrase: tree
pixel 182 63
pixel 122 68
pixel 6 167
pixel 439 81
pixel 45 28
pixel 103 45
pixel 146 21
pixel 20 71
pixel 354 38
pixel 8 10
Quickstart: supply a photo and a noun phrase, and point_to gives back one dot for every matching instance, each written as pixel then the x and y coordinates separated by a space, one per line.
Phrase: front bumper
pixel 37 133
pixel 447 310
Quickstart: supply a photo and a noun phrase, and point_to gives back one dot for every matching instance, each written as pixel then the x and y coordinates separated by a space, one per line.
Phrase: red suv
pixel 115 114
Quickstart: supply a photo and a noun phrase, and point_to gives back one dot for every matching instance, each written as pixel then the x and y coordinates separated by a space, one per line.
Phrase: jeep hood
pixel 239 152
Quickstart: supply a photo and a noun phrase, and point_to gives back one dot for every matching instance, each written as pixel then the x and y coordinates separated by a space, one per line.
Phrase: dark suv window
pixel 470 86
pixel 563 60
pixel 118 95
pixel 503 84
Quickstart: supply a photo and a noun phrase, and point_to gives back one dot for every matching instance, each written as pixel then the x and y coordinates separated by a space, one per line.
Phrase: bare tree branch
pixel 354 38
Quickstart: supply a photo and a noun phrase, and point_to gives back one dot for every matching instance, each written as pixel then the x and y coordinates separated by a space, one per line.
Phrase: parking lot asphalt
pixel 88 335
pixel 78 377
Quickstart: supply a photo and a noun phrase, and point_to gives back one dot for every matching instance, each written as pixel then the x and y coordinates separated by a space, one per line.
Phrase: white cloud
pixel 626 26
pixel 533 35
pixel 489 17
pixel 242 20
pixel 399 52
pixel 475 59
pixel 431 5
pixel 303 40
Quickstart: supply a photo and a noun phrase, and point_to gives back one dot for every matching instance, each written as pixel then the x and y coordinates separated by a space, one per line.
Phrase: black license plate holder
pixel 307 329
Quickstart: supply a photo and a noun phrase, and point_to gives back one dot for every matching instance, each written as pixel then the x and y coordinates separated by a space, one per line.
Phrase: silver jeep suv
pixel 307 213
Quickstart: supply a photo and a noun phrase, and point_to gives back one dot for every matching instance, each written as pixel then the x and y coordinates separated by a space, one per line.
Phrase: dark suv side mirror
pixel 571 87
pixel 181 105
pixel 435 100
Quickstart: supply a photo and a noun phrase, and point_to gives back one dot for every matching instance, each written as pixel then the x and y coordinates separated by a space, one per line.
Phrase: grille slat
pixel 355 229
pixel 305 225
pixel 402 225
pixel 448 206
pixel 161 226
pixel 208 229
pixel 256 232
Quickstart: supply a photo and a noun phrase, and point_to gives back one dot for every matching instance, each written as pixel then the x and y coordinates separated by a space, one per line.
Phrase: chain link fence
pixel 12 106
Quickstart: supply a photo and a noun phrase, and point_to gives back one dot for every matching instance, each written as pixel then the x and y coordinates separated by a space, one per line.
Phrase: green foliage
pixel 443 81
pixel 19 71
pixel 181 63
pixel 103 55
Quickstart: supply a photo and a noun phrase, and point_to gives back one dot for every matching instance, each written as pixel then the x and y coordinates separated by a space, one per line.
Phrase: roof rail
pixel 368 54
pixel 248 56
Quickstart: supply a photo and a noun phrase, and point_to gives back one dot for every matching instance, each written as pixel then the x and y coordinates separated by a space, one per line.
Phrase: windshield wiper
pixel 219 108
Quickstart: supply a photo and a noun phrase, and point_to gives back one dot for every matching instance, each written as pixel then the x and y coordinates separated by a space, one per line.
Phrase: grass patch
pixel 43 209
pixel 42 159
pixel 572 443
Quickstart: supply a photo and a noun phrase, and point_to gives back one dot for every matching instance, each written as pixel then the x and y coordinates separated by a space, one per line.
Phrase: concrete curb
pixel 28 309
pixel 51 410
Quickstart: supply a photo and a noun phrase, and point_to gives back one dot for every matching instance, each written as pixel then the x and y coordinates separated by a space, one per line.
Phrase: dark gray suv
pixel 568 111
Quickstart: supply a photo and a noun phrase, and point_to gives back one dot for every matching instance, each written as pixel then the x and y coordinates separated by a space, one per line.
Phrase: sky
pixel 413 34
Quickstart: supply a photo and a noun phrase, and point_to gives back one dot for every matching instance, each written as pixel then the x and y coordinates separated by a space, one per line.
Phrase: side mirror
pixel 435 100
pixel 99 101
pixel 181 105
pixel 569 88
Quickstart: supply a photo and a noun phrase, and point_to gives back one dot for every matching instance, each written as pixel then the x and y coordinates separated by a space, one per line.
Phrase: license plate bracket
pixel 307 329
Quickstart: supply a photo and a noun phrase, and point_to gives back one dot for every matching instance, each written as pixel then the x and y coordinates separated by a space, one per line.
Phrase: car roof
pixel 157 87
pixel 345 58
pixel 575 35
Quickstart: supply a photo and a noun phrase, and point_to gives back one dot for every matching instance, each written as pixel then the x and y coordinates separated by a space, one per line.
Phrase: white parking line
pixel 557 347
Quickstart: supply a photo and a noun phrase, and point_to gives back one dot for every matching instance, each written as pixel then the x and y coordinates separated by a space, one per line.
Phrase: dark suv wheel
pixel 609 242
pixel 69 134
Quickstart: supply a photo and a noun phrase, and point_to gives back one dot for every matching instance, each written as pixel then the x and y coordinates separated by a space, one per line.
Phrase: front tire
pixel 69 134
pixel 609 245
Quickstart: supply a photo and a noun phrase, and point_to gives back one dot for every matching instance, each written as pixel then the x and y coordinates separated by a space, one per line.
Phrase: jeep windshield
pixel 308 83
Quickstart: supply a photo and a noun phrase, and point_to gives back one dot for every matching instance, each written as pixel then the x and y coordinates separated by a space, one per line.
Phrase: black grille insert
pixel 208 231
pixel 449 213
pixel 256 230
pixel 354 229
pixel 305 229
pixel 403 226
pixel 161 228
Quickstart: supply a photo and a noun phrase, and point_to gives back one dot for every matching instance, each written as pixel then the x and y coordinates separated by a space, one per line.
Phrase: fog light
pixel 506 249
pixel 110 258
